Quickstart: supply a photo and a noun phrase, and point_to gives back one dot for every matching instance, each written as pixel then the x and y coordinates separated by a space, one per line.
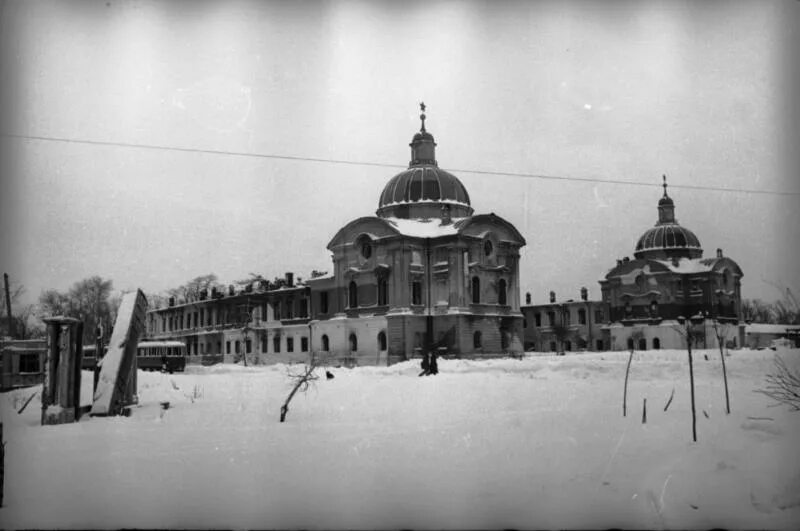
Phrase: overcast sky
pixel 592 90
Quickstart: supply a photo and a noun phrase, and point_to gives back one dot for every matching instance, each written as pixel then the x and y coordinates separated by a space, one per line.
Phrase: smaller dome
pixel 666 200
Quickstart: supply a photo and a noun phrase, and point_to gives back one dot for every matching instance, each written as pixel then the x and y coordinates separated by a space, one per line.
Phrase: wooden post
pixel 8 307
pixel 691 381
pixel 644 412
pixel 2 463
pixel 625 392
pixel 77 359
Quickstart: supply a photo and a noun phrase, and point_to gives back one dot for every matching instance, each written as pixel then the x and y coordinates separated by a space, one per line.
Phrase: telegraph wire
pixel 386 165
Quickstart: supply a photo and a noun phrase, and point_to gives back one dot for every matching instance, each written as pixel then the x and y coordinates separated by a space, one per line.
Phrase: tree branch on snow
pixel 783 385
pixel 303 380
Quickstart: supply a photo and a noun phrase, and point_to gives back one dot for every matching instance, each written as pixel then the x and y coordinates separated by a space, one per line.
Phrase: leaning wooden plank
pixel 109 397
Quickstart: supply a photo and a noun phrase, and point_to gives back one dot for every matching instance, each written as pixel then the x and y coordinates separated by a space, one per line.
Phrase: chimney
pixel 203 294
pixel 213 292
pixel 552 296
pixel 719 253
pixel 289 279
pixel 172 301
pixel 528 298
pixel 584 294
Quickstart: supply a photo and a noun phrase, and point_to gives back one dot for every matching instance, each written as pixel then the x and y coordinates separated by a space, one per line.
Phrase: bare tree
pixel 635 337
pixel 691 336
pixel 192 289
pixel 562 333
pixel 721 333
pixel 783 385
pixel 303 379
pixel 88 300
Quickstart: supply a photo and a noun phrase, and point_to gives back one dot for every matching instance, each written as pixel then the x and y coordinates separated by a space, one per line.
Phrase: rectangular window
pixel 323 302
pixel 29 363
pixel 276 344
pixel 582 316
pixel 599 344
pixel 202 317
pixel 237 347
pixel 416 292
pixel 202 348
pixel 303 308
pixel 303 344
pixel 264 344
pixel 195 319
pixel 289 344
pixel 598 316
pixel 538 318
pixel 227 347
pixel 276 308
pixel 290 309
pixel 264 313
pixel 567 315
pixel 551 317
pixel 248 345
pixel 219 347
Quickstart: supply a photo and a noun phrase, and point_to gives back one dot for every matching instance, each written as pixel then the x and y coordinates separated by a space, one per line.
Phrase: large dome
pixel 423 190
pixel 668 239
pixel 424 183
pixel 671 239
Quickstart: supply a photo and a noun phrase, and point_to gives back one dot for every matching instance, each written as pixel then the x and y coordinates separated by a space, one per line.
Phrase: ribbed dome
pixel 670 240
pixel 424 183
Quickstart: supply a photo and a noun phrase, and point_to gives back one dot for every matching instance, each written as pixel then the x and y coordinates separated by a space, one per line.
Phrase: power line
pixel 387 165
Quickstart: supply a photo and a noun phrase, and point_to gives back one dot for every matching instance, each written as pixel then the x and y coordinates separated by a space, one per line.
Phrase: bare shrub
pixel 783 385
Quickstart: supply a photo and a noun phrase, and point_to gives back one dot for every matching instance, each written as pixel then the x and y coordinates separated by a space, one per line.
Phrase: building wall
pixel 542 338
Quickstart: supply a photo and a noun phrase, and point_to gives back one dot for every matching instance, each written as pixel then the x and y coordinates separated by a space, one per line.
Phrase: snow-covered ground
pixel 532 443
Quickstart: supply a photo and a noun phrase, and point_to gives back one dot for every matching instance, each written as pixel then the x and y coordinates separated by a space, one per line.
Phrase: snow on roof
pixel 686 265
pixel 143 344
pixel 424 228
pixel 764 328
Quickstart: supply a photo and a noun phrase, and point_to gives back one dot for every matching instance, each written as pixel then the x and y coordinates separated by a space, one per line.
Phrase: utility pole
pixel 8 306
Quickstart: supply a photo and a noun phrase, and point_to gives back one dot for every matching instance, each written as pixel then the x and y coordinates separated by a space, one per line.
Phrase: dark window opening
pixel 248 345
pixel 568 346
pixel 476 339
pixel 227 347
pixel 599 344
pixel 264 344
pixel 656 343
pixel 353 343
pixel 501 292
pixel 383 291
pixel 325 345
pixel 289 344
pixel 476 290
pixel 237 347
pixel 29 363
pixel 552 346
pixel 382 341
pixel 352 294
pixel 582 316
pixel 323 302
pixel 630 343
pixel 538 318
pixel 303 344
pixel 504 339
pixel 642 344
pixel 416 292
pixel 276 344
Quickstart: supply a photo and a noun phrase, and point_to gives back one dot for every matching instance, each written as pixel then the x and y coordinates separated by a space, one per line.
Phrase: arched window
pixel 642 344
pixel 656 343
pixel 352 292
pixel 653 309
pixel 382 340
pixel 476 290
pixel 325 344
pixel 383 292
pixel 501 292
pixel 353 343
pixel 476 340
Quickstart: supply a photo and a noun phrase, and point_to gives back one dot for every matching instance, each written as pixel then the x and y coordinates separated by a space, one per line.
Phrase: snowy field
pixel 532 443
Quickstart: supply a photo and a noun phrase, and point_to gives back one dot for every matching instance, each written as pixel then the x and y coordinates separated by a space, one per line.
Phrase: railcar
pixel 161 355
